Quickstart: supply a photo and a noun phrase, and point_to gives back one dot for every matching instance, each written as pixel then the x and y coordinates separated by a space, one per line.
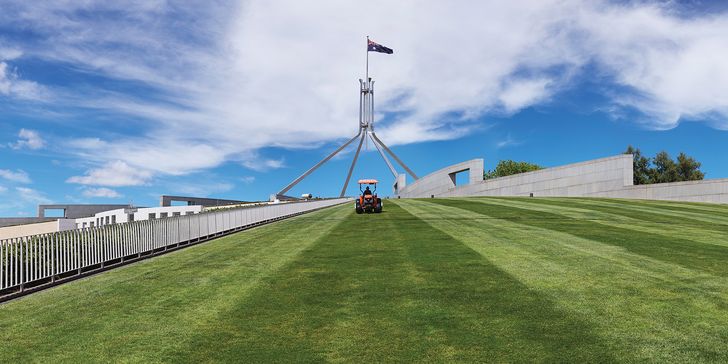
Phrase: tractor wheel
pixel 359 210
pixel 378 209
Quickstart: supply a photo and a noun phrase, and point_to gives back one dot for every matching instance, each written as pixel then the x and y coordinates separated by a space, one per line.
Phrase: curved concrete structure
pixel 605 177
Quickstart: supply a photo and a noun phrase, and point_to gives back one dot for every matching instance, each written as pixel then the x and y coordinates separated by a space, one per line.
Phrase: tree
pixel 665 169
pixel 509 167
pixel 641 166
pixel 688 169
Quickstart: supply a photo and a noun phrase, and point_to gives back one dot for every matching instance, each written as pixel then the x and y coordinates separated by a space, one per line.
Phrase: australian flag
pixel 376 47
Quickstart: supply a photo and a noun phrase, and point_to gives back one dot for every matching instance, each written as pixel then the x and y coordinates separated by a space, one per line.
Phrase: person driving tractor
pixel 368 201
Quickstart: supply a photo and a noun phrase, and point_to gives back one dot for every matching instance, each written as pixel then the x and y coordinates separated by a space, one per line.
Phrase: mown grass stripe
pixel 645 211
pixel 143 312
pixel 646 310
pixel 391 288
pixel 707 257
pixel 669 227
pixel 680 206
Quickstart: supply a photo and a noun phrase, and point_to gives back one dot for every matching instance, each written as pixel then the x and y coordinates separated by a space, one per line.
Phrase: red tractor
pixel 368 200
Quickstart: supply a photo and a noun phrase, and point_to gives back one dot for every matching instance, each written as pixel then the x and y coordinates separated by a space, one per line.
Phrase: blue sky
pixel 124 102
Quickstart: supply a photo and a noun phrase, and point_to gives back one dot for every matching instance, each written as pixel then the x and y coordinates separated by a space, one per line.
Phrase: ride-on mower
pixel 368 200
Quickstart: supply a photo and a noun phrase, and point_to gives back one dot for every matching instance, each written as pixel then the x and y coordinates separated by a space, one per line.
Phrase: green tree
pixel 641 166
pixel 665 169
pixel 510 167
pixel 688 169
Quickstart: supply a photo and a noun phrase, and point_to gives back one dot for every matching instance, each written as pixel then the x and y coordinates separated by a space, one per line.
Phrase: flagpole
pixel 367 79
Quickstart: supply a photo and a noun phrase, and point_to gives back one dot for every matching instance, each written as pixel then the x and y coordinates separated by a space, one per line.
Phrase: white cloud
pixel 12 85
pixel 674 65
pixel 8 54
pixel 262 164
pixel 508 142
pixel 101 192
pixel 3 189
pixel 247 179
pixel 114 174
pixel 17 176
pixel 259 74
pixel 523 93
pixel 28 139
pixel 151 156
pixel 30 195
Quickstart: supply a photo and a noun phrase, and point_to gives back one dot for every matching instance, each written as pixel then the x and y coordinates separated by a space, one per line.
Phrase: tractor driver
pixel 367 191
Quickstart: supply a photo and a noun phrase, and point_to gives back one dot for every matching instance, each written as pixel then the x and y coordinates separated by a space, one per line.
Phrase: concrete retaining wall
pixel 711 190
pixel 442 182
pixel 11 232
pixel 605 177
pixel 606 174
pixel 11 221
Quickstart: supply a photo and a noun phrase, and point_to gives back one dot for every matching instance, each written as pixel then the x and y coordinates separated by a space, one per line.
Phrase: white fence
pixel 35 260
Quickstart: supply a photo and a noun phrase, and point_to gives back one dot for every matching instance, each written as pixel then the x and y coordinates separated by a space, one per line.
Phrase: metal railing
pixel 47 259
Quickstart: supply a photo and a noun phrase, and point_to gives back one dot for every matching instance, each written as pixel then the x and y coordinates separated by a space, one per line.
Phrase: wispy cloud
pixel 101 192
pixel 12 85
pixel 262 164
pixel 19 176
pixel 114 174
pixel 509 141
pixel 32 196
pixel 30 139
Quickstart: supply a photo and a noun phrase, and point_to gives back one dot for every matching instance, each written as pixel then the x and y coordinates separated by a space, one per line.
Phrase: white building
pixel 119 216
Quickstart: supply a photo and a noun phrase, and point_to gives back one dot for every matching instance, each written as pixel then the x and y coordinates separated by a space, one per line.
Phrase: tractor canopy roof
pixel 368 181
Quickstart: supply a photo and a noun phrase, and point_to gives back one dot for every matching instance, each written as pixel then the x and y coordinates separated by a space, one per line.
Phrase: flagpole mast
pixel 367 79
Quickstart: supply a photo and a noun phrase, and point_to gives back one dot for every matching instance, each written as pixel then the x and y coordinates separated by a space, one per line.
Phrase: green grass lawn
pixel 432 280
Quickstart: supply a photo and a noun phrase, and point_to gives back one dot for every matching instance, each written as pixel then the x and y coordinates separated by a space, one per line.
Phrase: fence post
pixel 53 257
pixel 22 271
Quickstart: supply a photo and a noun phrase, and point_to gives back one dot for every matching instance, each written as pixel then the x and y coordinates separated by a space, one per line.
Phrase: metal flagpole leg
pixel 384 156
pixel 353 163
pixel 361 103
pixel 395 157
pixel 290 185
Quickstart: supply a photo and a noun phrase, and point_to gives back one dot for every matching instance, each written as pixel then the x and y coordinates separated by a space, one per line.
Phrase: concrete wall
pixel 10 221
pixel 399 183
pixel 605 177
pixel 711 190
pixel 73 211
pixel 606 174
pixel 442 182
pixel 165 200
pixel 577 179
pixel 11 232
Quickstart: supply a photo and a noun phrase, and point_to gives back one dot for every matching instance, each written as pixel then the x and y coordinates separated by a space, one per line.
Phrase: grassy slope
pixel 150 310
pixel 429 280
